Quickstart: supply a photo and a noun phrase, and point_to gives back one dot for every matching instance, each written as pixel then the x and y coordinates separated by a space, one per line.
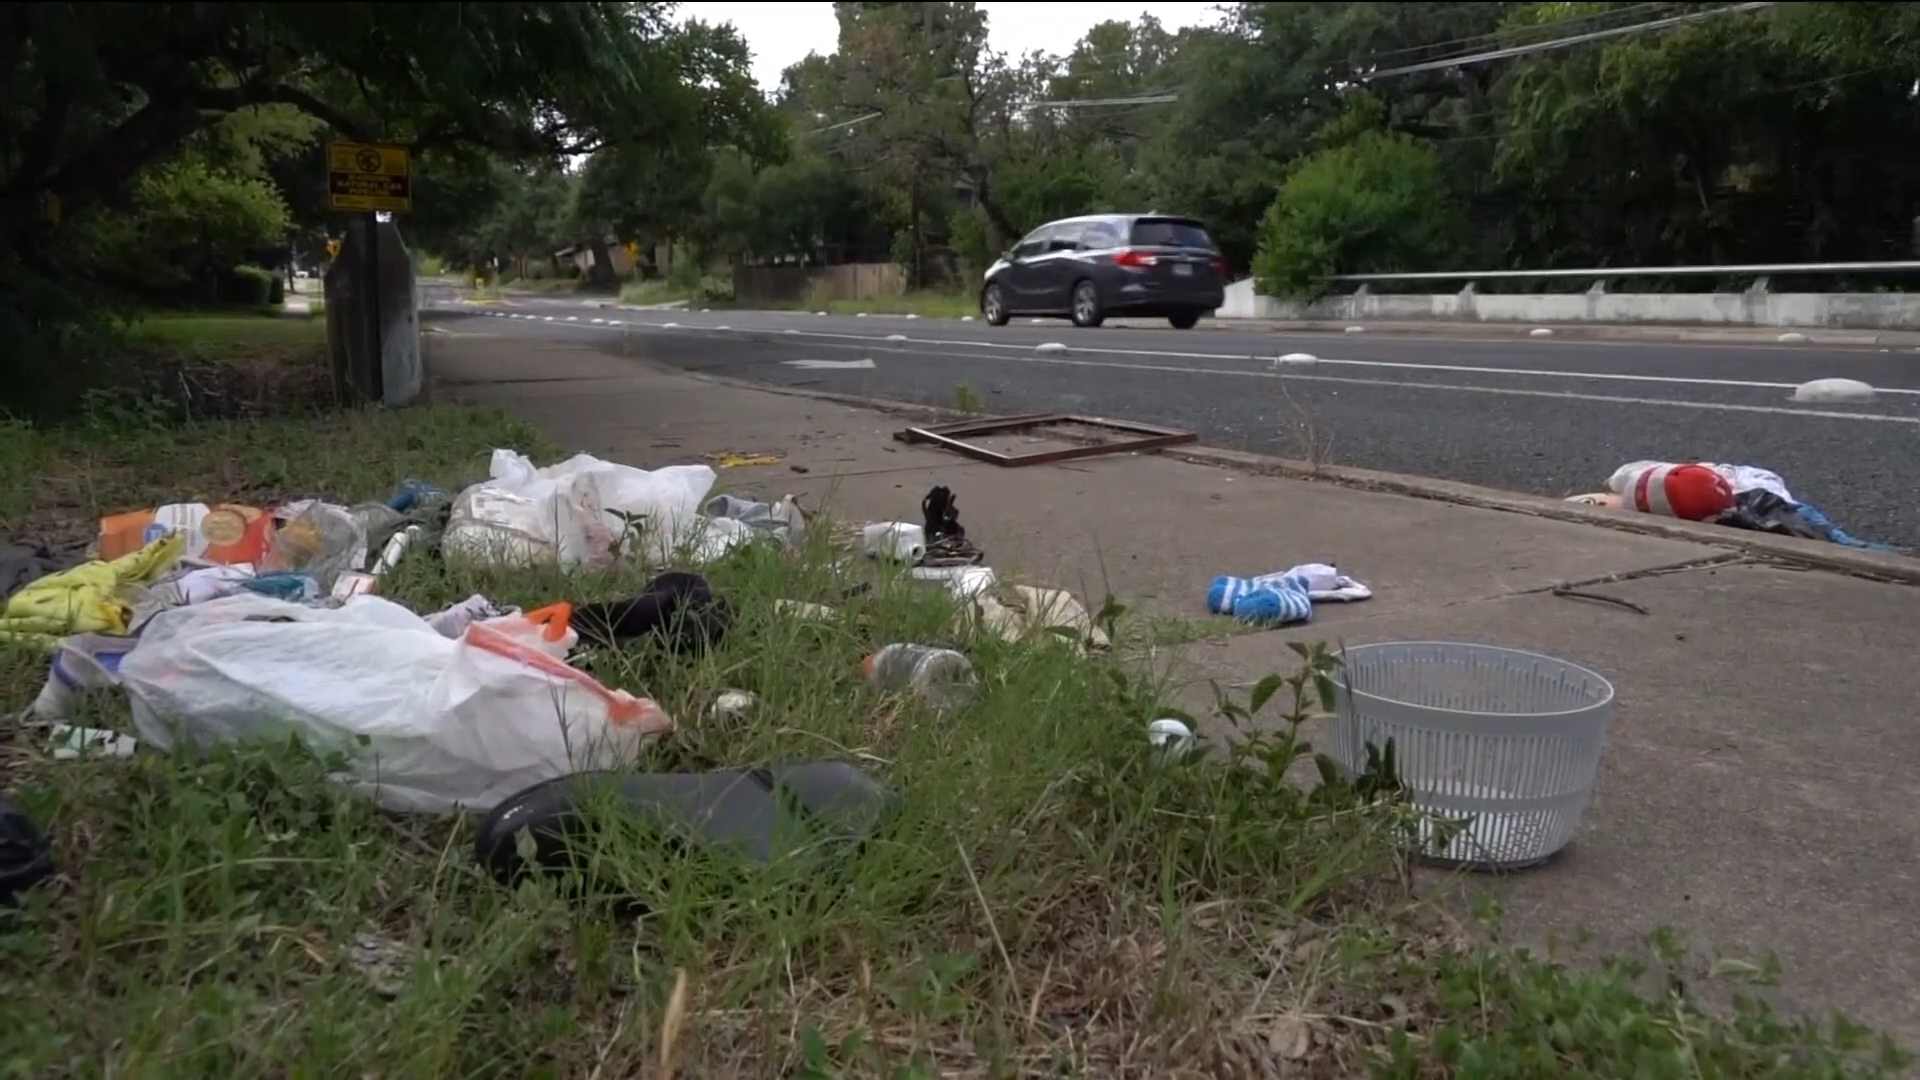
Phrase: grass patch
pixel 657 292
pixel 547 285
pixel 1053 900
pixel 57 482
pixel 224 337
pixel 927 305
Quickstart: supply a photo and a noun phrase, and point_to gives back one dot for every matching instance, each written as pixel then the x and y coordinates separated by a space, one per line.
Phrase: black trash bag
pixel 1762 511
pixel 757 815
pixel 678 609
pixel 25 857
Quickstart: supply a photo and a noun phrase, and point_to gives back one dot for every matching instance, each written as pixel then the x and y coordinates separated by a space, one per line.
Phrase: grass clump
pixel 1054 898
pixel 927 305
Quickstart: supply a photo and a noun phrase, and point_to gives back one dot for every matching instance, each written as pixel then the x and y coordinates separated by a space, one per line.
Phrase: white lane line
pixel 1566 395
pixel 1391 365
pixel 1028 357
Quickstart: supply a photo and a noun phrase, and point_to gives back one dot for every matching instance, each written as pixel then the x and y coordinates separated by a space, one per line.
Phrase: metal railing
pixel 1761 271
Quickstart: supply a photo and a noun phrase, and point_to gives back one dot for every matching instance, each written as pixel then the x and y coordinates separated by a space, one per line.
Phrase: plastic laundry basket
pixel 1507 740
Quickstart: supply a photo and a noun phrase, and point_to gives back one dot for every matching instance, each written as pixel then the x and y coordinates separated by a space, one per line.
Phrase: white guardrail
pixel 1754 305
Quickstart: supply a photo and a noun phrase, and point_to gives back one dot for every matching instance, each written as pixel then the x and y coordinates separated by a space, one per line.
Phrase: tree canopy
pixel 1783 134
pixel 152 145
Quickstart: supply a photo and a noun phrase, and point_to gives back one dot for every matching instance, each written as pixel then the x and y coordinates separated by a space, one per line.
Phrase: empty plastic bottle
pixel 941 675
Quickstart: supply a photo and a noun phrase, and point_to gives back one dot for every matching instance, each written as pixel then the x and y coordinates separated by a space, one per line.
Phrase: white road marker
pixel 831 365
pixel 1834 390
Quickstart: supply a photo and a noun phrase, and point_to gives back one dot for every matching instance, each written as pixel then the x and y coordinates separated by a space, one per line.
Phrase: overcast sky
pixel 783 34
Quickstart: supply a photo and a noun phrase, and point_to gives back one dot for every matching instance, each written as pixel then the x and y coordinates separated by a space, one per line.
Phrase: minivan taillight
pixel 1220 266
pixel 1135 260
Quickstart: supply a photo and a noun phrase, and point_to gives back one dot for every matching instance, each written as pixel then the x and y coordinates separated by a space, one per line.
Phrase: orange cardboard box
pixel 220 534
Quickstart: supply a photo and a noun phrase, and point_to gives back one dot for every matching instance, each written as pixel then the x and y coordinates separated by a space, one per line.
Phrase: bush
pixel 248 285
pixel 1379 203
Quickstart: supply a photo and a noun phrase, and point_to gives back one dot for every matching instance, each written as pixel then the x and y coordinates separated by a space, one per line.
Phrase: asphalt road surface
pixel 1550 417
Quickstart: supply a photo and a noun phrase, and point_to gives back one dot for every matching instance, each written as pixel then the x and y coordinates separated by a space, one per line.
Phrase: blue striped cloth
pixel 1275 600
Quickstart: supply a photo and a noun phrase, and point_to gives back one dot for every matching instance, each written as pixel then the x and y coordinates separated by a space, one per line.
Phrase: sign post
pixel 371 179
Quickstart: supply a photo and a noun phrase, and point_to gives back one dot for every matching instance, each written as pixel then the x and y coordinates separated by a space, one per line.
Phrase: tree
pixel 936 94
pixel 104 99
pixel 1377 203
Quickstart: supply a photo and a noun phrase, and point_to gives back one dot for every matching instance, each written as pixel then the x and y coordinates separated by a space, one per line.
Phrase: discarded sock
pixel 1226 589
pixel 1319 581
pixel 1277 604
pixel 678 608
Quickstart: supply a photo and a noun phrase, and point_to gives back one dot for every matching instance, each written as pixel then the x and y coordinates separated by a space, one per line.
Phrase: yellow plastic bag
pixel 88 599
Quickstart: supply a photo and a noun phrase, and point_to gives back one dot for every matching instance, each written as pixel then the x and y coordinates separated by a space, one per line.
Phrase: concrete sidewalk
pixel 1756 792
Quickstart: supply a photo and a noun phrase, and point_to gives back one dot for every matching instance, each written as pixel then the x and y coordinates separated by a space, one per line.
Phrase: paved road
pixel 1550 417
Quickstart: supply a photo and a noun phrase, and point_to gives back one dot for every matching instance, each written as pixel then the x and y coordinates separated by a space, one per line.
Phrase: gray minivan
pixel 1087 268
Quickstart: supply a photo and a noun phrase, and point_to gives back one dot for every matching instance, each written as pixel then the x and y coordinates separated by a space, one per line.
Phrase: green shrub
pixel 1377 204
pixel 247 285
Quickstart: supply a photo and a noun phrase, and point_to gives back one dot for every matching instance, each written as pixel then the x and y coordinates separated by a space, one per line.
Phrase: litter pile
pixel 226 624
pixel 1737 496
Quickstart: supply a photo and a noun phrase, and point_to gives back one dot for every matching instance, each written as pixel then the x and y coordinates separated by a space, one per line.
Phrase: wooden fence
pixel 786 284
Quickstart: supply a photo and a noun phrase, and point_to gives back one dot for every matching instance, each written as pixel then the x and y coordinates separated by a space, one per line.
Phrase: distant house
pixel 581 256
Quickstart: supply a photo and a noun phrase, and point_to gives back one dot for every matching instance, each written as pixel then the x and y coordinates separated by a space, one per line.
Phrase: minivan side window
pixel 1171 232
pixel 1064 237
pixel 1034 244
pixel 1099 236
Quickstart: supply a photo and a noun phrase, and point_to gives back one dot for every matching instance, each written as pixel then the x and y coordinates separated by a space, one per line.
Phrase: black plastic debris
pixel 758 815
pixel 25 857
pixel 677 609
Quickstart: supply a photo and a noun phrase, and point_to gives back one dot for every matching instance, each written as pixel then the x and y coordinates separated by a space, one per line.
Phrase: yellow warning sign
pixel 365 177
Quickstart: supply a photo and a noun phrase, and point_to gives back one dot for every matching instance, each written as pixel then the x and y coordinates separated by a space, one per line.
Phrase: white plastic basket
pixel 1508 740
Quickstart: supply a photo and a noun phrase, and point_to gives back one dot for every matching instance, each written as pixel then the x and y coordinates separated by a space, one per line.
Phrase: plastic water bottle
pixel 941 675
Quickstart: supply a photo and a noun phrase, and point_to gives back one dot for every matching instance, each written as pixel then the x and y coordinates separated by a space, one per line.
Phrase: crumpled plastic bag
pixel 315 539
pixel 428 724
pixel 1050 611
pixel 577 511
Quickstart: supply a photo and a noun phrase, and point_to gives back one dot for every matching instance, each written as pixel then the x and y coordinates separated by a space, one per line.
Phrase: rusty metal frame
pixel 953 437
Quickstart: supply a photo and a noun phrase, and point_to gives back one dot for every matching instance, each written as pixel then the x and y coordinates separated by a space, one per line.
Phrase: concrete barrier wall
pixel 1853 311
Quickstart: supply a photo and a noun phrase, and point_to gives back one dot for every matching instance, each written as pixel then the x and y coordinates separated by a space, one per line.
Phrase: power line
pixel 845 123
pixel 1563 43
pixel 1087 103
pixel 1562 24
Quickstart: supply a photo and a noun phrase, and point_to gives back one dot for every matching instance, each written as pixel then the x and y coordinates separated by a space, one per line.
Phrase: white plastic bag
pixel 445 723
pixel 575 510
pixel 524 515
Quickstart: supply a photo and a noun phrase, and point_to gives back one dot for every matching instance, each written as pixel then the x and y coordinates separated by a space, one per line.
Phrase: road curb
pixel 1786 549
pixel 1756 335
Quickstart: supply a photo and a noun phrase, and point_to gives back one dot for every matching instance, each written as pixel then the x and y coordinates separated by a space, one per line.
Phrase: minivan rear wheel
pixel 1185 320
pixel 1086 305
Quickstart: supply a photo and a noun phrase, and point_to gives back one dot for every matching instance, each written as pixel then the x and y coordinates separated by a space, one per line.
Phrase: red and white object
pixel 1692 492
